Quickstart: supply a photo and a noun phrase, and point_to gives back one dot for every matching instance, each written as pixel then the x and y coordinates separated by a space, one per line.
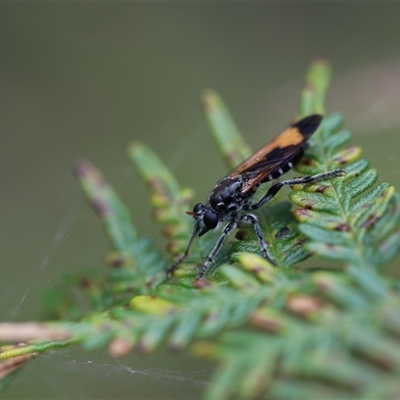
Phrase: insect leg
pixel 226 231
pixel 172 268
pixel 306 180
pixel 252 219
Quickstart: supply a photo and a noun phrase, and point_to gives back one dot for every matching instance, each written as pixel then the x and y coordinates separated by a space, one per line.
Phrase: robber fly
pixel 233 194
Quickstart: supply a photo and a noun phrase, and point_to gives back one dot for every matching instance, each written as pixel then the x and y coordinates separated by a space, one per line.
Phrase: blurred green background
pixel 84 79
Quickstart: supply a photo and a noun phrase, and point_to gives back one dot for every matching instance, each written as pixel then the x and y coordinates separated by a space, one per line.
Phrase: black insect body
pixel 233 194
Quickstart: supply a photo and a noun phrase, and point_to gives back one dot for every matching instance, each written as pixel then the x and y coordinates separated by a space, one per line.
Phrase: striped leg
pixel 274 189
pixel 226 231
pixel 253 220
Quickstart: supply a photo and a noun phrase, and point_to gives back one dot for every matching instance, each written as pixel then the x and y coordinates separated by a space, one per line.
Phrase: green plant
pixel 288 331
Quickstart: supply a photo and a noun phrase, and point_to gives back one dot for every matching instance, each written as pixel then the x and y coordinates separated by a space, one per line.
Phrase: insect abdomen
pixel 285 167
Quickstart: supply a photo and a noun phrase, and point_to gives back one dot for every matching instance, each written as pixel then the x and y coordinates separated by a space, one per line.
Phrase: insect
pixel 233 194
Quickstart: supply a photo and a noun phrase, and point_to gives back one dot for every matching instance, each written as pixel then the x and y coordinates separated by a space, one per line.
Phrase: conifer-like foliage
pixel 288 331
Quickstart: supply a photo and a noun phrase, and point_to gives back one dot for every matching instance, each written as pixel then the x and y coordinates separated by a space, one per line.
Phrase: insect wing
pixel 276 153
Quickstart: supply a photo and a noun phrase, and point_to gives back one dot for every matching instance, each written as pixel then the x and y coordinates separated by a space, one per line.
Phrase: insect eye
pixel 210 219
pixel 197 208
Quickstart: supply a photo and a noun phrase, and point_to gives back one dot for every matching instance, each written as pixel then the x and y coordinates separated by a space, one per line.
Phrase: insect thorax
pixel 227 199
